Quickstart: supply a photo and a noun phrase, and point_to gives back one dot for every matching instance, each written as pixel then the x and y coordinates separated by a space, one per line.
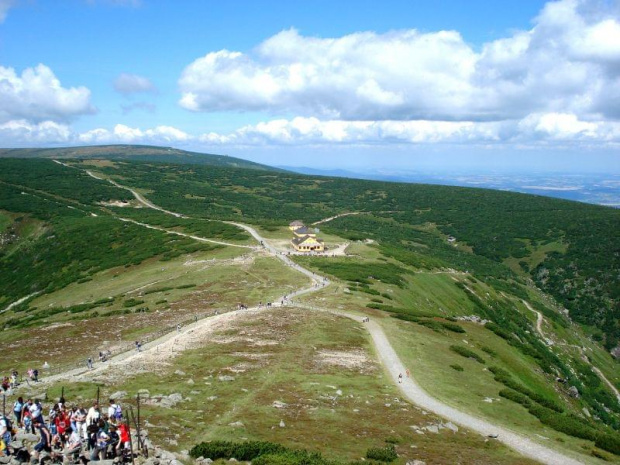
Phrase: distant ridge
pixel 136 153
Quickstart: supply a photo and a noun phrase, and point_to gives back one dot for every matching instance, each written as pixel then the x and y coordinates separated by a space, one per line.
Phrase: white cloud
pixel 543 128
pixel 38 95
pixel 22 132
pixel 568 62
pixel 125 134
pixel 132 83
pixel 5 5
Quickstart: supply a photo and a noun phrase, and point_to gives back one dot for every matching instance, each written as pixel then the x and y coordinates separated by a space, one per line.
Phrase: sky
pixel 412 85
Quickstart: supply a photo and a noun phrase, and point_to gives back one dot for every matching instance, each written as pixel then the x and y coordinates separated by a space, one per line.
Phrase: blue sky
pixel 365 84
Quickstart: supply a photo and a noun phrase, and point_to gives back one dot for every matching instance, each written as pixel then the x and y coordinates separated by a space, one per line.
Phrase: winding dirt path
pixel 539 320
pixel 388 356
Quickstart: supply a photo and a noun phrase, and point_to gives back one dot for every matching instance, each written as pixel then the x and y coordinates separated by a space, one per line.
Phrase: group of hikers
pixel 69 434
pixel 11 382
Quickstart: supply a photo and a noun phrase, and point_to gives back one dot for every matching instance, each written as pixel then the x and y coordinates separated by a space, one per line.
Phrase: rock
pixel 105 462
pixel 144 393
pixel 190 381
pixel 573 392
pixel 282 424
pixel 488 399
pixel 211 398
pixel 17 444
pixel 5 459
pixel 118 395
pixel 179 372
pixel 27 437
pixel 152 461
pixel 451 426
pixel 432 429
pixel 194 392
pixel 416 462
pixel 338 392
pixel 226 378
pixel 278 404
pixel 173 462
pixel 236 424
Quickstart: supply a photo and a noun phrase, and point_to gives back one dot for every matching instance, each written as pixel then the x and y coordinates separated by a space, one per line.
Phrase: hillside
pixel 134 152
pixel 135 248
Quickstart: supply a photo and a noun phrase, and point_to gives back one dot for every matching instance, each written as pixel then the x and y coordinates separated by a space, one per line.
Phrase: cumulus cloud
pixel 568 62
pixel 132 84
pixel 547 128
pixel 5 5
pixel 38 95
pixel 125 134
pixel 22 132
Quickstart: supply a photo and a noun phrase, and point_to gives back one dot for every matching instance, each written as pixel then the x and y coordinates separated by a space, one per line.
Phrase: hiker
pixel 73 445
pixel 18 408
pixel 45 442
pixel 400 378
pixel 114 411
pixel 124 442
pixel 138 346
pixel 94 415
pixel 89 363
pixel 6 433
pixel 178 328
pixel 407 372
pixel 101 444
pixel 79 419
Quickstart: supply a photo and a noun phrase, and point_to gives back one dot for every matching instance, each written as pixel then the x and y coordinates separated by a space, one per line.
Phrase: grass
pixel 429 357
pixel 220 282
pixel 339 410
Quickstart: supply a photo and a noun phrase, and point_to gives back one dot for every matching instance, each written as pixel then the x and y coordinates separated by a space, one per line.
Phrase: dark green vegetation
pixel 504 241
pixel 57 234
pixel 412 222
pixel 265 453
pixel 133 152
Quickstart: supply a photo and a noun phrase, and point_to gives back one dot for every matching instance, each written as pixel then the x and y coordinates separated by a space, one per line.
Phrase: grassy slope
pixel 337 409
pixel 134 152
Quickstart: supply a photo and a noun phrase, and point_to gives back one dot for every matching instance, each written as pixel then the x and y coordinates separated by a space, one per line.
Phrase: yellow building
pixel 308 244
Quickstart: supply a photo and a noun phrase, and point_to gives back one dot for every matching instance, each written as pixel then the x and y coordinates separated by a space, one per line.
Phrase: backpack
pixel 118 413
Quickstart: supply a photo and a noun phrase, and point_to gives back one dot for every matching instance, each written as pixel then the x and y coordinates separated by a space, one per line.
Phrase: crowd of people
pixel 11 382
pixel 69 434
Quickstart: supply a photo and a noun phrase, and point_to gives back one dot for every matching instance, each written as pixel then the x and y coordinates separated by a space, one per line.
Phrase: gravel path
pixel 412 391
pixel 409 387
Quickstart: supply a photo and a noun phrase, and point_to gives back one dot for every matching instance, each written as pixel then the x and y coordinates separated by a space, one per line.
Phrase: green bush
pixel 608 442
pixel 465 352
pixel 515 397
pixel 457 367
pixel 241 450
pixel 382 454
pixel 132 302
pixel 452 327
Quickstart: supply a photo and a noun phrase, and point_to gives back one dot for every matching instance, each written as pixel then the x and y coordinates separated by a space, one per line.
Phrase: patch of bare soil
pixel 350 360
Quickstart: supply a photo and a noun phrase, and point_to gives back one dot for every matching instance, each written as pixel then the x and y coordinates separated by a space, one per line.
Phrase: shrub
pixel 382 454
pixel 132 302
pixel 452 327
pixel 457 367
pixel 465 352
pixel 241 451
pixel 515 397
pixel 608 442
pixel 489 351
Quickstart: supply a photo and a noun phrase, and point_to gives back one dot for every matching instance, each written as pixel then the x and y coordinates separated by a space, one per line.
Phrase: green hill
pixel 79 250
pixel 134 152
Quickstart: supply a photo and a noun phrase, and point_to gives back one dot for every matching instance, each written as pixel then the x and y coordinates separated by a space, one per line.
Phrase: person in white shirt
pixel 93 414
pixel 112 411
